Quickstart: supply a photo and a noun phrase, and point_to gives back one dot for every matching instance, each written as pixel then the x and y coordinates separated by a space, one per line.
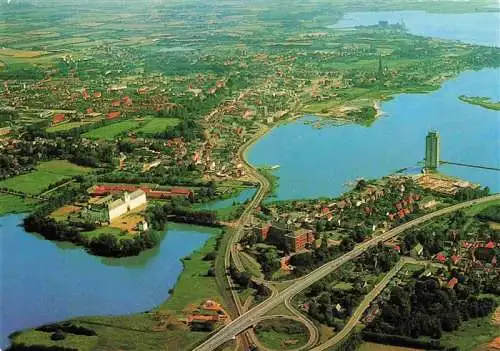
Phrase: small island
pixel 485 102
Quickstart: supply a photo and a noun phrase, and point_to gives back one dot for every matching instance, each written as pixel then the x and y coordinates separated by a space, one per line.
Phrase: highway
pixel 249 318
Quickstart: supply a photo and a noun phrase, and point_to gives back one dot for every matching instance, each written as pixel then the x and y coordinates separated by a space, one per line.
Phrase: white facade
pixel 128 203
pixel 136 199
pixel 116 209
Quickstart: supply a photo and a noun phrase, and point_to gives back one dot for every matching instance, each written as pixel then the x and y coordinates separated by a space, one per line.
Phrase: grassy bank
pixel 485 102
pixel 159 329
pixel 14 204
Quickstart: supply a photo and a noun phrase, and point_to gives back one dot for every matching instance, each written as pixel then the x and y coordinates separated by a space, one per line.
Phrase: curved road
pixel 247 319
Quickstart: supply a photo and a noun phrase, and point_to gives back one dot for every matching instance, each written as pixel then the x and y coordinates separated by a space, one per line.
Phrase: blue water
pixel 44 282
pixel 244 195
pixel 475 28
pixel 319 162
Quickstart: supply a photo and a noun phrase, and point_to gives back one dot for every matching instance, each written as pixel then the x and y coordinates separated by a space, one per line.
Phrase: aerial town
pixel 259 175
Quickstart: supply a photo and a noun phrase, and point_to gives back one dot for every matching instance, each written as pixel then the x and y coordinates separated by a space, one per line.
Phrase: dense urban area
pixel 118 119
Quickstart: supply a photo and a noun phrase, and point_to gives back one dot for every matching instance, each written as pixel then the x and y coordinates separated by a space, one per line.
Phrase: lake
pixel 475 28
pixel 321 162
pixel 44 281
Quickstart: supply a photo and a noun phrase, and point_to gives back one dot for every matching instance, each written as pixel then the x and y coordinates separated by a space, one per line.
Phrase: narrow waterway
pixel 44 281
pixel 240 198
pixel 321 162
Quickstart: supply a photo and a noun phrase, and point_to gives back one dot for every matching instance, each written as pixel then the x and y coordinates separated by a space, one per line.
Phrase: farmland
pixel 155 125
pixel 47 173
pixel 112 130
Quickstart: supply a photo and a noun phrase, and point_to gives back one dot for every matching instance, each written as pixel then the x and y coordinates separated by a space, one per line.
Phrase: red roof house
pixel 113 115
pixel 441 258
pixel 453 281
pixel 490 245
pixel 97 94
pixel 126 100
pixel 455 259
pixel 58 118
pixel 115 103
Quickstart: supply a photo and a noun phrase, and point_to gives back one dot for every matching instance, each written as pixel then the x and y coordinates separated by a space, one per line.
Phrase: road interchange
pixel 250 318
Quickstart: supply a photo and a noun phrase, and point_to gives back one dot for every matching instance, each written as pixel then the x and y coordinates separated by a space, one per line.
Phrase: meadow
pixel 14 204
pixel 156 125
pixel 47 173
pixel 112 130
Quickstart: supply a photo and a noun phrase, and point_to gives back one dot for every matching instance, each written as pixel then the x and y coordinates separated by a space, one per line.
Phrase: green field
pixel 471 334
pixel 156 125
pixel 34 337
pixel 112 130
pixel 47 173
pixel 281 334
pixel 14 204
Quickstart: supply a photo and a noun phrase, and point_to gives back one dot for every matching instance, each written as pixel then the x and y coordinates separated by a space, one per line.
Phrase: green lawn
pixel 251 265
pixel 282 334
pixel 156 125
pixel 112 130
pixel 229 213
pixel 472 211
pixel 471 334
pixel 104 230
pixel 47 173
pixel 34 337
pixel 14 204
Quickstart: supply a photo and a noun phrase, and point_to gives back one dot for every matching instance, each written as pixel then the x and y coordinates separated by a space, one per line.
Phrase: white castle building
pixel 129 202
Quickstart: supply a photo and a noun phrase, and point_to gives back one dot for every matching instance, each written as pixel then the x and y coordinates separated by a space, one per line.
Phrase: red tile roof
pixel 58 118
pixel 114 114
pixel 453 281
pixel 441 258
pixel 490 245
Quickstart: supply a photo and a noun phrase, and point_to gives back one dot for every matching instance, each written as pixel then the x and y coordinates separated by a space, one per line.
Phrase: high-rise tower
pixel 432 150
